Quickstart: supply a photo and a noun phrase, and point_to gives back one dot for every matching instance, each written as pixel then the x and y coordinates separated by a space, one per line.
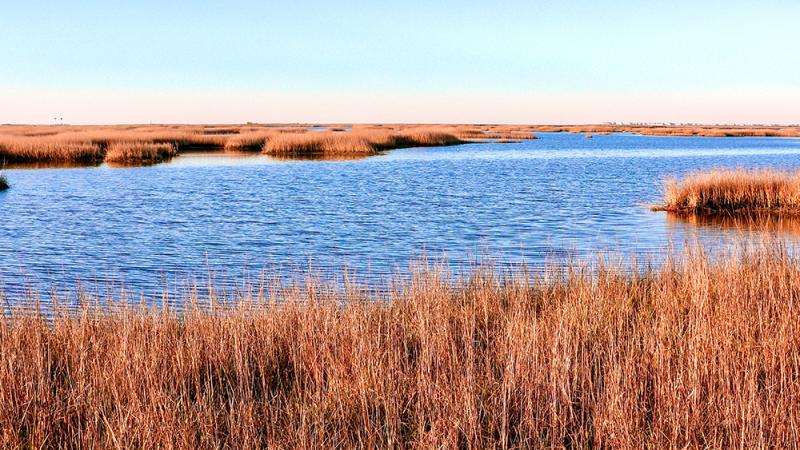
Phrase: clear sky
pixel 413 61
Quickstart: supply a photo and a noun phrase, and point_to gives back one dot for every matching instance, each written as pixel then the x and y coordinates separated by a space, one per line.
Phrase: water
pixel 228 215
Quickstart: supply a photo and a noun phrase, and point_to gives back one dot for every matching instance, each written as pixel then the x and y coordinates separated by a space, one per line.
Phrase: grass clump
pixel 319 143
pixel 3 183
pixel 700 352
pixel 49 149
pixel 247 142
pixel 139 152
pixel 363 141
pixel 733 190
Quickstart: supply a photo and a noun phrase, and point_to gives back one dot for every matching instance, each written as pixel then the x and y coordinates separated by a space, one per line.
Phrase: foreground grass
pixel 733 190
pixel 701 352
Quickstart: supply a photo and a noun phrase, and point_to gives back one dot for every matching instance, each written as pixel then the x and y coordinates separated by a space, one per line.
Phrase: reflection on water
pixel 49 165
pixel 235 214
pixel 756 222
pixel 319 157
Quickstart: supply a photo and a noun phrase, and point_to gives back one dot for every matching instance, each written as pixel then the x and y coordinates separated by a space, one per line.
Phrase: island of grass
pixel 729 191
pixel 152 144
pixel 3 183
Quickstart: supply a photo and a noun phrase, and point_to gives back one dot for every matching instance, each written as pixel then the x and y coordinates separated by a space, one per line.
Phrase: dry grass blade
pixel 702 352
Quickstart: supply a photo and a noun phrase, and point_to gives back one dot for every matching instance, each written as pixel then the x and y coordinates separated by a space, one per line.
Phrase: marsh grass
pixel 47 149
pixel 139 152
pixel 700 352
pixel 733 191
pixel 88 144
pixel 247 142
pixel 357 142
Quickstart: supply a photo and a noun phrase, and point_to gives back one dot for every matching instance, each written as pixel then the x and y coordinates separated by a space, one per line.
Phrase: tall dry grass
pixel 247 142
pixel 359 141
pixel 701 352
pixel 317 143
pixel 733 190
pixel 139 152
pixel 34 149
pixel 75 144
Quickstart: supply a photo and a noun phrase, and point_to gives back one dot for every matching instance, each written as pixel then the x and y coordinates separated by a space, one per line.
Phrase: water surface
pixel 229 215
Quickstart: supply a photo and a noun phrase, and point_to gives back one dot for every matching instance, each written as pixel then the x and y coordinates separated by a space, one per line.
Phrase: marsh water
pixel 562 194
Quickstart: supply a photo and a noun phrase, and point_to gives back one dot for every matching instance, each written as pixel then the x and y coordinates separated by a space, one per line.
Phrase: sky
pixel 413 61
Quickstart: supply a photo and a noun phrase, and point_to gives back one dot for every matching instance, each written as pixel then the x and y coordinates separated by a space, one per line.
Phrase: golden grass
pixel 358 142
pixel 733 190
pixel 702 352
pixel 32 149
pixel 88 144
pixel 139 152
pixel 317 143
pixel 247 142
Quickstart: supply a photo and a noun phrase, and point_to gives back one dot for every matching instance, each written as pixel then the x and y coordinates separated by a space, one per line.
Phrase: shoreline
pixel 147 144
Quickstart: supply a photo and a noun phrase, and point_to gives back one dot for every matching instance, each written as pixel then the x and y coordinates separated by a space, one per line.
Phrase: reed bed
pixel 701 352
pixel 88 144
pixel 247 142
pixel 33 149
pixel 317 143
pixel 139 152
pixel 733 190
pixel 357 142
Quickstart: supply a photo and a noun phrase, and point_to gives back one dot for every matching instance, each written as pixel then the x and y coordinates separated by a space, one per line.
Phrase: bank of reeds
pixel 733 190
pixel 247 142
pixel 139 152
pixel 88 144
pixel 702 352
pixel 32 149
pixel 360 142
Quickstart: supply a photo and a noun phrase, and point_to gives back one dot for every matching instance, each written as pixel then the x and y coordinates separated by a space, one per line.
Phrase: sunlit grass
pixel 733 190
pixel 701 352
pixel 139 152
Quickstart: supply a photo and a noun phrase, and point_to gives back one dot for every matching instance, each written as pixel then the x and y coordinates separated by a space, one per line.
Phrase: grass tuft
pixel 733 190
pixel 139 152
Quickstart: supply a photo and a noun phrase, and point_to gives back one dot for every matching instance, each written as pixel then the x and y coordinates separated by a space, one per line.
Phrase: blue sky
pixel 514 61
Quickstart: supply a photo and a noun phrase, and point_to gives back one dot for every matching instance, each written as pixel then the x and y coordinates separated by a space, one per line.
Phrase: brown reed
pixel 733 190
pixel 700 352
pixel 139 152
